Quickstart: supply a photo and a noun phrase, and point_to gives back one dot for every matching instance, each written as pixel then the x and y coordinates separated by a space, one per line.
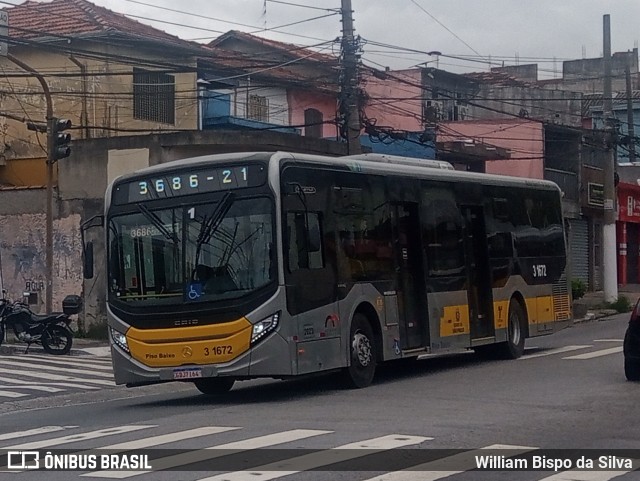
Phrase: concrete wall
pixel 22 246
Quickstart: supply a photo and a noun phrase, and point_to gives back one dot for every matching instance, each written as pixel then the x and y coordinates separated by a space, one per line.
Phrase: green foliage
pixel 621 304
pixel 97 331
pixel 578 288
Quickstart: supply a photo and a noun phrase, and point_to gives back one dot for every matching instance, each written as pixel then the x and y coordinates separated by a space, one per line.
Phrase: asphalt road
pixel 567 392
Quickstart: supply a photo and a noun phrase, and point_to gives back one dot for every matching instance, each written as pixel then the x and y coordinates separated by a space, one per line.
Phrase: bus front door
pixel 410 280
pixel 479 293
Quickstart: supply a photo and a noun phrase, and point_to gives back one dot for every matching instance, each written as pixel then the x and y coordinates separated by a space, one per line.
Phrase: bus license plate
pixel 187 373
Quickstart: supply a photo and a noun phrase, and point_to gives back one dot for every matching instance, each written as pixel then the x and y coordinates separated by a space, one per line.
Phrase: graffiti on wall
pixel 22 250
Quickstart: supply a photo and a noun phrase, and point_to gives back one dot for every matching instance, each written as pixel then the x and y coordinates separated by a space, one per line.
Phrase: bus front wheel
pixel 214 386
pixel 362 348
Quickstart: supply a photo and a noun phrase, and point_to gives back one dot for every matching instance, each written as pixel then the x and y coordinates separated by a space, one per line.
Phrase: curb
pixel 93 351
pixel 596 315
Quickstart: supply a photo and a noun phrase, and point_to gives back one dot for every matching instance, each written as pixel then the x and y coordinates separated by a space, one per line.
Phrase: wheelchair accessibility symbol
pixel 195 291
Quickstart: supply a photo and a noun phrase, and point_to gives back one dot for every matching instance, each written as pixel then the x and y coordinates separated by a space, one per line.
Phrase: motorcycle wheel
pixel 57 339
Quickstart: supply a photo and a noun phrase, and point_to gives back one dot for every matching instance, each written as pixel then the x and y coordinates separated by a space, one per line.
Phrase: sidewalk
pixel 592 305
pixel 80 347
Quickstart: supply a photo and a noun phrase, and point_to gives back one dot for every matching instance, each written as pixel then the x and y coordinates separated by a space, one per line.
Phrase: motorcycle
pixel 52 330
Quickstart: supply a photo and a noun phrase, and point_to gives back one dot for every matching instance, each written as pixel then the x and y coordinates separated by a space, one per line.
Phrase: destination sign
pixel 190 182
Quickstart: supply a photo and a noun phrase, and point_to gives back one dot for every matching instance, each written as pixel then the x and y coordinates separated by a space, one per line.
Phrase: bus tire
pixel 214 386
pixel 362 352
pixel 514 347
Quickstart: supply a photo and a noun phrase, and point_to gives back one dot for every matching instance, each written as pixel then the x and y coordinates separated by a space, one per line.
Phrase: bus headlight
pixel 119 340
pixel 264 327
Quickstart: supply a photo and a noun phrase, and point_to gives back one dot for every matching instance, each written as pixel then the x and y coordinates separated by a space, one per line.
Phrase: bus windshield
pixel 191 253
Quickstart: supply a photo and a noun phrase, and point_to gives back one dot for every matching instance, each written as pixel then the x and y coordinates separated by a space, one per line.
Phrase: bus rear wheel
pixel 514 347
pixel 363 354
pixel 214 386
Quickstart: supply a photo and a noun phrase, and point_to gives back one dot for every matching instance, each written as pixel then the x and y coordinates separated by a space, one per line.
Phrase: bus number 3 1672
pixel 218 351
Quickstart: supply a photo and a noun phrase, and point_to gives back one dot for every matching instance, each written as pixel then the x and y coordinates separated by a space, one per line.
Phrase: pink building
pixel 521 141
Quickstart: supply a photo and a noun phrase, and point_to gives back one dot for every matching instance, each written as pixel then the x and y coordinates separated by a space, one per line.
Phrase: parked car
pixel 632 346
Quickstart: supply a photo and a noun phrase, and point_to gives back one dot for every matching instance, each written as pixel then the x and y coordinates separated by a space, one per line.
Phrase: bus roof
pixel 366 163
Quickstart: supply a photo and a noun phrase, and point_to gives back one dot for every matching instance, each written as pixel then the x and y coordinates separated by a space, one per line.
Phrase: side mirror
pixel 88 260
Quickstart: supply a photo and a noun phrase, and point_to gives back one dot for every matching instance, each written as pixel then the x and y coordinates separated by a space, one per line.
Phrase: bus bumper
pixel 271 357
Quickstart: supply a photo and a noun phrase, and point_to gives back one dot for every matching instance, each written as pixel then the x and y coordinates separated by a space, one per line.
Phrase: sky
pixel 471 35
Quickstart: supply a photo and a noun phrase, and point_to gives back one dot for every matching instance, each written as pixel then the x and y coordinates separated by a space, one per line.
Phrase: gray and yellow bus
pixel 240 266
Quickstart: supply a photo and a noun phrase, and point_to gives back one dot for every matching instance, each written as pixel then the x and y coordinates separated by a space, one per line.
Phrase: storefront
pixel 628 233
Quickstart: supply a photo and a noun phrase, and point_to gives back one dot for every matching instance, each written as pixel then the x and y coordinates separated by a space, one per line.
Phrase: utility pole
pixel 609 261
pixel 49 213
pixel 631 132
pixel 349 95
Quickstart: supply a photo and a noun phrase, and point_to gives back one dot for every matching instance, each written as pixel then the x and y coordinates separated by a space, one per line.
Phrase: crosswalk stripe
pixel 21 382
pixel 320 458
pixel 448 466
pixel 35 388
pixel 214 452
pixel 608 340
pixel 33 432
pixel 43 368
pixel 74 438
pixel 46 362
pixel 11 394
pixel 551 352
pixel 591 355
pixel 56 377
pixel 159 440
pixel 585 475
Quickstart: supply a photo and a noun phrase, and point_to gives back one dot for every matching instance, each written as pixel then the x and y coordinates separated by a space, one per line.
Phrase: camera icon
pixel 23 460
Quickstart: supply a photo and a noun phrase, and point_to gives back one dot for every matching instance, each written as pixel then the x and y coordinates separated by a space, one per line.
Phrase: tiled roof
pixel 497 78
pixel 287 48
pixel 596 101
pixel 73 18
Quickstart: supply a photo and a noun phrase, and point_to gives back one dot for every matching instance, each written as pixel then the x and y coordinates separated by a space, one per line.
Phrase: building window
pixel 258 108
pixel 154 96
pixel 313 123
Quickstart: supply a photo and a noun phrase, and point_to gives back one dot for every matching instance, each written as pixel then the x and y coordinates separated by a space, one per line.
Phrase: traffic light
pixel 58 141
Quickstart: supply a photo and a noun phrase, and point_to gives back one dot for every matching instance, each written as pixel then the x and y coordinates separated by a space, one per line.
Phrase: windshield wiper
pixel 211 224
pixel 157 223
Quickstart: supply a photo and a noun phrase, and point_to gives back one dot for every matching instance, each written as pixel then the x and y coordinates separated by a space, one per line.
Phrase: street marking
pixel 11 394
pixel 608 340
pixel 41 368
pixel 591 355
pixel 45 365
pixel 56 377
pixel 20 382
pixel 445 467
pixel 74 438
pixel 321 458
pixel 169 438
pixel 34 387
pixel 214 452
pixel 589 475
pixel 34 432
pixel 551 352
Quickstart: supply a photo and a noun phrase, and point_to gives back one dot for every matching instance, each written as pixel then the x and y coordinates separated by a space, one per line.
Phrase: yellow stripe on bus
pixel 214 343
pixel 455 319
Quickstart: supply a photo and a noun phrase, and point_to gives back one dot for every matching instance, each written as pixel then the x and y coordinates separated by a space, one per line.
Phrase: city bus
pixel 238 266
